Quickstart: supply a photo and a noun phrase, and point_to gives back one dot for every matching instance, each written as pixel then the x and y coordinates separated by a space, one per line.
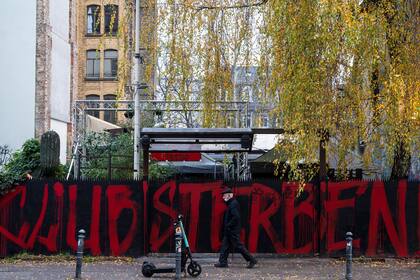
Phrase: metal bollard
pixel 349 255
pixel 79 256
pixel 178 250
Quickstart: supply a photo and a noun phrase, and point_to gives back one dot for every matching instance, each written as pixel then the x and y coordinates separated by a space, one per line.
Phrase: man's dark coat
pixel 232 218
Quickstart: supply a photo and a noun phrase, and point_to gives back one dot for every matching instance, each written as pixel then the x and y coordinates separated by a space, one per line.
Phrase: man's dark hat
pixel 227 190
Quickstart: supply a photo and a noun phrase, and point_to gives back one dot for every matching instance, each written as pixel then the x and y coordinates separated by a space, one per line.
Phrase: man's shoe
pixel 220 265
pixel 252 263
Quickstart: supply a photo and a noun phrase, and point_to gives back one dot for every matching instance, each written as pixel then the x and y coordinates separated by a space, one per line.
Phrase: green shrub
pixel 23 160
pixel 161 173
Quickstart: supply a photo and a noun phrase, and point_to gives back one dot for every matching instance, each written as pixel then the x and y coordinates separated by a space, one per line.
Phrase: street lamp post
pixel 139 87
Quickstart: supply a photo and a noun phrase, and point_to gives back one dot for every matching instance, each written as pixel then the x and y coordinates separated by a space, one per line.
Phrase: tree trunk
pixel 402 159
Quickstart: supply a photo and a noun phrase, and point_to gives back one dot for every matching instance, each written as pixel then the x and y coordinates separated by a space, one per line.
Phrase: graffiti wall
pixel 134 218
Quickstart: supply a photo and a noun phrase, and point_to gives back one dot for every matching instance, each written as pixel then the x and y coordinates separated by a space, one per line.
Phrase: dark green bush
pixel 24 160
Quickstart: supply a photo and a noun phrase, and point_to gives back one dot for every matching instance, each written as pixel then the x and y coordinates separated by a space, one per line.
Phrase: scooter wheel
pixel 147 269
pixel 194 269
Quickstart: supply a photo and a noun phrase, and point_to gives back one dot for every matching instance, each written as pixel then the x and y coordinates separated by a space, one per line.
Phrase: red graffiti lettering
pixel 94 239
pixel 332 207
pixel 34 234
pixel 119 199
pixel 305 208
pixel 260 215
pixel 157 239
pixel 71 222
pixel 93 242
pixel 218 208
pixel 379 208
pixel 51 214
pixel 194 191
pixel 24 230
pixel 145 213
pixel 51 240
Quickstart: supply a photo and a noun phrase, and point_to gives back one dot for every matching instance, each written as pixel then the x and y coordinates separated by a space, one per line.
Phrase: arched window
pixel 93 20
pixel 94 103
pixel 92 64
pixel 111 19
pixel 110 63
pixel 109 115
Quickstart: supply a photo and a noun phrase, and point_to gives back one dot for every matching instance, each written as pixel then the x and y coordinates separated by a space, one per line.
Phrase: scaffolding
pixel 238 168
pixel 165 114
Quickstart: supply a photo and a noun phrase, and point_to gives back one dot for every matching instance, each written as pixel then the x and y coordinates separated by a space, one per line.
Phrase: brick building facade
pixel 105 44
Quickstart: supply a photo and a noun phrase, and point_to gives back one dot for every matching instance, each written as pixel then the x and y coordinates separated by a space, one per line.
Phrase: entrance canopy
pixel 198 140
pixel 209 140
pixel 94 124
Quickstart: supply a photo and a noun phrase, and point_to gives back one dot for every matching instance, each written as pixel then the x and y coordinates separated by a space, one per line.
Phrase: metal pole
pixel 109 163
pixel 178 249
pixel 82 156
pixel 76 172
pixel 146 163
pixel 79 258
pixel 140 86
pixel 145 141
pixel 75 151
pixel 322 160
pixel 137 94
pixel 137 77
pixel 349 255
pixel 246 116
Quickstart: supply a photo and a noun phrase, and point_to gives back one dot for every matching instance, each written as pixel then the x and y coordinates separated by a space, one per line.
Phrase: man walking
pixel 231 230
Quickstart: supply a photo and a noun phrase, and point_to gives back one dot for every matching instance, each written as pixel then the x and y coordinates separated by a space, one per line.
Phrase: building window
pixel 93 23
pixel 264 120
pixel 93 103
pixel 92 64
pixel 111 19
pixel 110 115
pixel 111 64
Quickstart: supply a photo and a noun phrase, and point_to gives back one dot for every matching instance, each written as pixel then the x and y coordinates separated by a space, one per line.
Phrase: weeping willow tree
pixel 198 50
pixel 345 71
pixel 395 80
pixel 348 68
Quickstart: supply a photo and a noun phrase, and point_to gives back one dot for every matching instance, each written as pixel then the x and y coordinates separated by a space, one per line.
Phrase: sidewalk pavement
pixel 267 268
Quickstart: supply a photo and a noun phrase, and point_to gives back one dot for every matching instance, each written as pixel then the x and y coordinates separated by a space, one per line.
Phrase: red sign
pixel 194 156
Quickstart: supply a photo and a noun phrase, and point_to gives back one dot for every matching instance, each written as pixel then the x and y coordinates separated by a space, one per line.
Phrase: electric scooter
pixel 193 268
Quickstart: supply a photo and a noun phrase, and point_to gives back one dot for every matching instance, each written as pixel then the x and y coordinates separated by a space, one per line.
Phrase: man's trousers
pixel 231 240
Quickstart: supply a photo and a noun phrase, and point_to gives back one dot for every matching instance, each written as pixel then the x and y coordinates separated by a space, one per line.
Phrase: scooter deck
pixel 165 270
